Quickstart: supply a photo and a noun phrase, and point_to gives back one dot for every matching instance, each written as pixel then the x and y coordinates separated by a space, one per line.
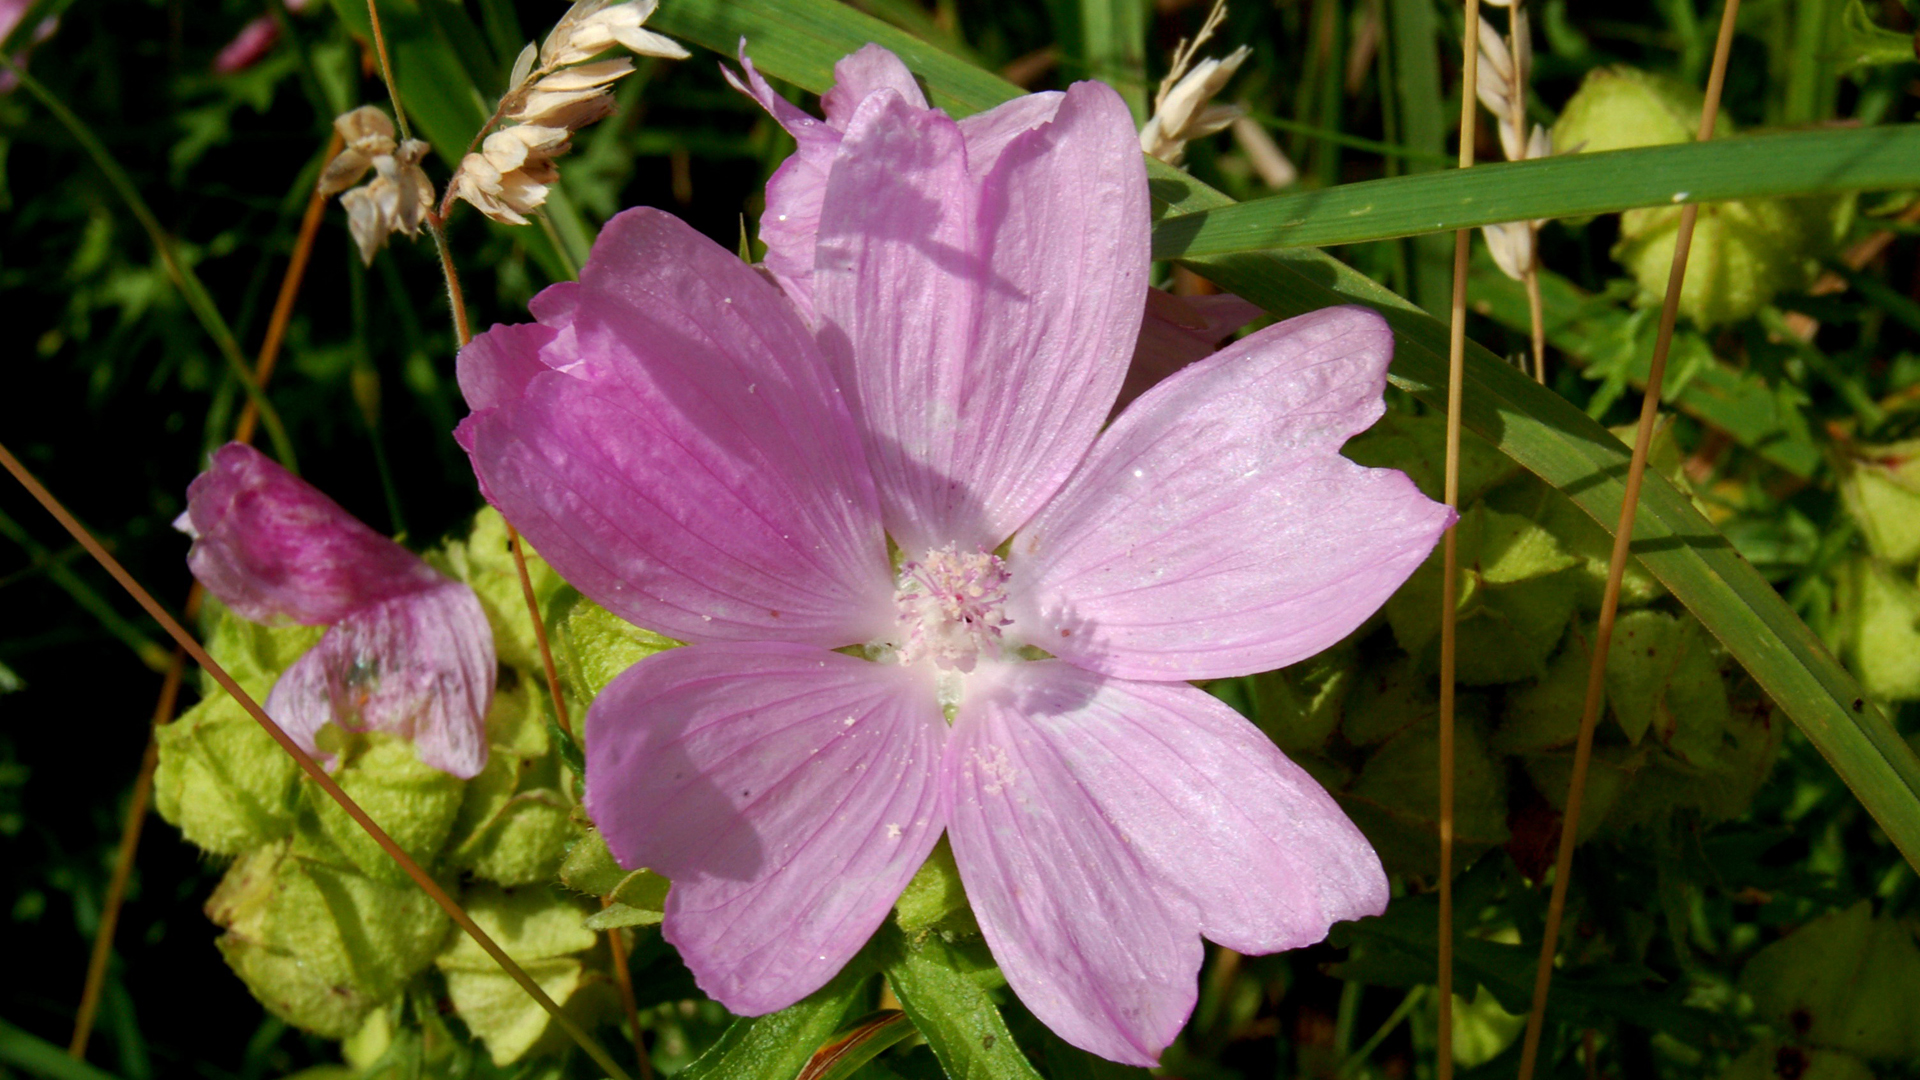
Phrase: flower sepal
pixel 935 901
pixel 413 801
pixel 318 943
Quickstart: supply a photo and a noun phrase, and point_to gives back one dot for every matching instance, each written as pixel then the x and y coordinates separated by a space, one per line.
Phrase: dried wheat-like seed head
pixel 398 197
pixel 367 134
pixel 395 200
pixel 508 179
pixel 554 91
pixel 591 27
pixel 1182 107
pixel 1505 72
pixel 1186 112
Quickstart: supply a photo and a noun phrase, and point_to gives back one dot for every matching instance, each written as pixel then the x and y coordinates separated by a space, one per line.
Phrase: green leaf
pixel 1398 949
pixel 799 40
pixel 952 1011
pixel 777 1046
pixel 1866 44
pixel 1568 185
pixel 1843 981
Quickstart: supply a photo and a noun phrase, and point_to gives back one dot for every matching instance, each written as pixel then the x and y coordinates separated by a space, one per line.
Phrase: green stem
pixel 1398 1016
pixel 55 567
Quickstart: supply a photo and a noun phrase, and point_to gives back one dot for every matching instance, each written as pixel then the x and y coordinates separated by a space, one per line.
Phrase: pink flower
pixel 723 462
pixel 254 41
pixel 408 651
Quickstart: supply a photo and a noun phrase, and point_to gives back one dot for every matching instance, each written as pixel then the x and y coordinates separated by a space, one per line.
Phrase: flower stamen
pixel 951 608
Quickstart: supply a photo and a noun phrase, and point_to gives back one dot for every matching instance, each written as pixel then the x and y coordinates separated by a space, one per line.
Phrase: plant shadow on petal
pixel 910 222
pixel 670 815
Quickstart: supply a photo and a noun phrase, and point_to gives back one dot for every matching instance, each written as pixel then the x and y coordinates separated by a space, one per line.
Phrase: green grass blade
pixel 38 1057
pixel 1529 423
pixel 1570 185
pixel 1411 51
pixel 1113 48
pixel 150 652
pixel 848 1052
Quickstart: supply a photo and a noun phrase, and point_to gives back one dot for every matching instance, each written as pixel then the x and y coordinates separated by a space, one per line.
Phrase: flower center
pixel 951 608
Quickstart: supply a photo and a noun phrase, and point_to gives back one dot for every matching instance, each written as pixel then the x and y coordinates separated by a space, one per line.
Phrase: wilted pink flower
pixel 408 651
pixel 724 464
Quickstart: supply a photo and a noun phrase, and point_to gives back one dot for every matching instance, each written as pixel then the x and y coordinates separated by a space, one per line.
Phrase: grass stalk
pixel 623 979
pixel 539 630
pixel 308 765
pixel 1449 588
pixel 123 865
pixel 463 333
pixel 1616 569
pixel 283 303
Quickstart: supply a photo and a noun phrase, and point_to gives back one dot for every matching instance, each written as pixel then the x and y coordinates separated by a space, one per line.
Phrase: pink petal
pixel 794 192
pixel 792 214
pixel 987 134
pixel 274 549
pixel 862 73
pixel 419 666
pixel 1177 331
pixel 1077 920
pixel 980 325
pixel 1214 531
pixel 1208 803
pixel 789 793
pixel 677 450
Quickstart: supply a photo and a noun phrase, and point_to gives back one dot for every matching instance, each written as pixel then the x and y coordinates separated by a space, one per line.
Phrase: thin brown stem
pixel 1537 316
pixel 123 863
pixel 539 630
pixel 283 304
pixel 386 69
pixel 307 764
pixel 1616 569
pixel 1449 597
pixel 623 978
pixel 456 300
